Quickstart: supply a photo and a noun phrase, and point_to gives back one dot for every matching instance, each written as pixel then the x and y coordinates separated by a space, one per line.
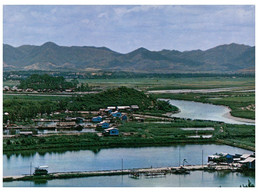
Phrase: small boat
pixel 41 170
pixel 155 174
pixel 181 171
pixel 134 175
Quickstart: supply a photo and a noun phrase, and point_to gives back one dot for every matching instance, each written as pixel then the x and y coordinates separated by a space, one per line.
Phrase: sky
pixel 125 28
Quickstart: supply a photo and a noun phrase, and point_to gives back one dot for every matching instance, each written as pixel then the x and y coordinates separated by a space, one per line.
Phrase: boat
pixel 41 170
pixel 181 171
pixel 151 174
pixel 134 175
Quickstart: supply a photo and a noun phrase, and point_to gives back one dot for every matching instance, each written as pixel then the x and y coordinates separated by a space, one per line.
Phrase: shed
pixel 213 157
pixel 124 118
pixel 123 108
pixel 26 133
pixel 116 114
pixel 111 107
pixel 134 107
pixel 103 125
pixel 66 124
pixel 111 132
pixel 248 162
pixel 79 120
pixel 245 156
pixel 108 111
pixel 97 119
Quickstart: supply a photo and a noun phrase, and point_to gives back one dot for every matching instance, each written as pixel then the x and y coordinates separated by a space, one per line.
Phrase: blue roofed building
pixel 116 114
pixel 97 119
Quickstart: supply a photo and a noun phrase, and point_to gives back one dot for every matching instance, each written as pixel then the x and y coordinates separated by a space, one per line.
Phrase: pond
pixel 194 179
pixel 111 158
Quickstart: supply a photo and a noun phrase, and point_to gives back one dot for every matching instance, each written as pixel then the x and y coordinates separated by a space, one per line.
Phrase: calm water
pixel 109 159
pixel 202 111
pixel 194 179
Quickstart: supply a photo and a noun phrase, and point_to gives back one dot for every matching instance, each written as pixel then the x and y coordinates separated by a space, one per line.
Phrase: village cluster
pixel 236 161
pixel 103 121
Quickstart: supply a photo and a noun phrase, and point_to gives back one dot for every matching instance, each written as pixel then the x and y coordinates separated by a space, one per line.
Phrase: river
pixel 204 111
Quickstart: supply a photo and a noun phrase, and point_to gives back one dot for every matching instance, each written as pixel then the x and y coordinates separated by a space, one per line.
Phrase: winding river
pixel 112 158
pixel 203 111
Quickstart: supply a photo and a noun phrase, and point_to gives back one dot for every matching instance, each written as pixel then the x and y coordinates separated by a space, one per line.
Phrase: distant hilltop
pixel 231 58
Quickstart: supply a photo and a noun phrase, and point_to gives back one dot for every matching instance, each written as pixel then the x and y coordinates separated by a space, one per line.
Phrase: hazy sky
pixel 126 28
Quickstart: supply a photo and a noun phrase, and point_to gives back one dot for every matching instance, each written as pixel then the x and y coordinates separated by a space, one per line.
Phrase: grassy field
pixel 140 134
pixel 241 103
pixel 173 83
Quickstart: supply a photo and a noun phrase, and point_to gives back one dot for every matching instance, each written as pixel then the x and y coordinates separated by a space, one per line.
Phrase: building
pixel 103 125
pixel 116 114
pixel 97 119
pixel 124 118
pixel 111 107
pixel 26 133
pixel 79 120
pixel 111 132
pixel 66 124
pixel 6 88
pixel 248 163
pixel 134 107
pixel 123 108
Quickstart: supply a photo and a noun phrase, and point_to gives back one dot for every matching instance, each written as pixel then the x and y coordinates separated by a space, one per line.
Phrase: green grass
pixel 34 98
pixel 173 83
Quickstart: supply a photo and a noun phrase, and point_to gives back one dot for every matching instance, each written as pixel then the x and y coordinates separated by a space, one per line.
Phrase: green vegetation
pixel 173 82
pixel 24 108
pixel 141 134
pixel 46 82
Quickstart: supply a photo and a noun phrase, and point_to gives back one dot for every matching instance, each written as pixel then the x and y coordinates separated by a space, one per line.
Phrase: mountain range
pixel 229 58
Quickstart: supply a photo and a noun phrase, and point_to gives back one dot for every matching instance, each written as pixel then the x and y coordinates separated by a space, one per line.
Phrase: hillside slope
pixel 49 56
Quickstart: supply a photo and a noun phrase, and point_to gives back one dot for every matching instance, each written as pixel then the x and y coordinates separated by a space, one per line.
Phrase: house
pixel 248 163
pixel 123 108
pixel 108 111
pixel 124 118
pixel 6 88
pixel 116 114
pixel 111 132
pixel 245 156
pixel 134 107
pixel 26 133
pixel 79 120
pixel 213 157
pixel 111 107
pixel 103 125
pixel 139 119
pixel 66 124
pixel 229 158
pixel 97 119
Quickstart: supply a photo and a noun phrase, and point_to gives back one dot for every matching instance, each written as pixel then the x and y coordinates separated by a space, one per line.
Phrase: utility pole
pixel 122 167
pixel 31 169
pixel 179 158
pixel 202 158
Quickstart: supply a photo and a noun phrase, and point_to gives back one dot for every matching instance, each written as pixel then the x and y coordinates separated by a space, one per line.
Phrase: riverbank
pixel 237 102
pixel 146 171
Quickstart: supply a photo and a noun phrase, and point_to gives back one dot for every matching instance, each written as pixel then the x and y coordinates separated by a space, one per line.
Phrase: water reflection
pixel 110 158
pixel 194 179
